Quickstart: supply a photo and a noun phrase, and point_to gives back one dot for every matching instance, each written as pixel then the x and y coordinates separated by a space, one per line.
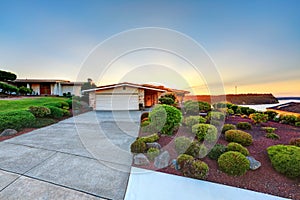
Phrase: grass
pixel 24 104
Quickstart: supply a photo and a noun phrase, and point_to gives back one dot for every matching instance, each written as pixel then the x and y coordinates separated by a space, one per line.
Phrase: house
pixel 50 87
pixel 129 96
pixel 291 108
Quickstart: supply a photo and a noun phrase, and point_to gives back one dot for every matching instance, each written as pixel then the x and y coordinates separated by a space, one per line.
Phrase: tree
pixel 7 76
pixel 88 85
pixel 24 90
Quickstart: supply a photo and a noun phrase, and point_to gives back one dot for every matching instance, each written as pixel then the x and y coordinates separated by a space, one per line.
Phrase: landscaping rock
pixel 254 164
pixel 153 145
pixel 162 160
pixel 8 132
pixel 140 159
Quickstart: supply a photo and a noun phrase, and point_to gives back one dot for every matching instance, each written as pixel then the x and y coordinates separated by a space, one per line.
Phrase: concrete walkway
pixel 84 157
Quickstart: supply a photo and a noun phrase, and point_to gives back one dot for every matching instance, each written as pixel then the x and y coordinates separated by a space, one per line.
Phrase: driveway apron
pixel 83 157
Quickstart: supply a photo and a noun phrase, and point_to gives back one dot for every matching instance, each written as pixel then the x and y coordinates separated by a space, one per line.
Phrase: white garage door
pixel 117 102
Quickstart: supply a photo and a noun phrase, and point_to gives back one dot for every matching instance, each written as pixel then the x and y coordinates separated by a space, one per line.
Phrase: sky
pixel 253 45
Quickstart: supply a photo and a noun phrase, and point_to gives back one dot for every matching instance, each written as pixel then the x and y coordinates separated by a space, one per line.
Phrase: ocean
pixel 263 107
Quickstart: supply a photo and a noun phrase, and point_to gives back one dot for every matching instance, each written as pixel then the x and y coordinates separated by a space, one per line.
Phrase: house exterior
pixel 128 96
pixel 291 108
pixel 50 86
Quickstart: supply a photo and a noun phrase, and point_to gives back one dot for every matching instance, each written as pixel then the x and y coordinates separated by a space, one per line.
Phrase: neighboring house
pixel 50 87
pixel 129 96
pixel 291 108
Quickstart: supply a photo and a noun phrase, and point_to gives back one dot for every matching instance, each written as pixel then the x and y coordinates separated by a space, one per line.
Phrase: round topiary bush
pixel 215 115
pixel 217 151
pixel 258 118
pixel 182 158
pixel 150 138
pixel 181 144
pixel 16 120
pixel 138 146
pixel 56 112
pixel 233 163
pixel 238 136
pixel 193 149
pixel 192 120
pixel 244 126
pixel 206 132
pixel 232 146
pixel 272 136
pixel 152 153
pixel 165 118
pixel 285 159
pixel 228 127
pixel 195 169
pixel 295 142
pixel 39 111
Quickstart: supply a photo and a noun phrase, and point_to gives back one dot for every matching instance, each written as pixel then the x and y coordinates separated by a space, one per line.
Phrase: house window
pixel 124 87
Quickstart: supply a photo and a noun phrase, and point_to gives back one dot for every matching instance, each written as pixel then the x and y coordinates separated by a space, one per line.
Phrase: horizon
pixel 254 45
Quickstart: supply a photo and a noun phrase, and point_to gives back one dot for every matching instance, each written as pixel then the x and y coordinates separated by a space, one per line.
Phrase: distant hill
pixel 240 99
pixel 288 98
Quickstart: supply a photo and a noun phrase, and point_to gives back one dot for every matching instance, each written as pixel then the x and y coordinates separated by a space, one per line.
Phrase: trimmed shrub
pixel 230 111
pixel 244 126
pixel 271 114
pixel 165 118
pixel 228 127
pixel 145 123
pixel 297 123
pixel 272 136
pixel 56 113
pixel 269 129
pixel 16 120
pixel 195 169
pixel 205 132
pixel 204 106
pixel 192 120
pixel 138 146
pixel 42 122
pixel 258 118
pixel 214 115
pixel 182 158
pixel 233 163
pixel 191 107
pixel 166 100
pixel 217 151
pixel 152 153
pixel 246 110
pixel 295 142
pixel 288 119
pixel 150 138
pixel 39 111
pixel 66 113
pixel 233 146
pixel 181 144
pixel 60 104
pixel 238 136
pixel 285 159
pixel 193 149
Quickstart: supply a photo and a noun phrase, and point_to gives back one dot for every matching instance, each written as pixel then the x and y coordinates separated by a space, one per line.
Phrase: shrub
pixel 24 90
pixel 166 100
pixel 66 113
pixel 39 111
pixel 195 169
pixel 217 151
pixel 234 108
pixel 273 136
pixel 238 136
pixel 150 138
pixel 228 127
pixel 220 105
pixel 165 118
pixel 269 129
pixel 244 126
pixel 145 119
pixel 41 122
pixel 214 115
pixel 285 159
pixel 192 120
pixel 73 103
pixel 138 146
pixel 297 123
pixel 258 118
pixel 232 146
pixel 205 132
pixel 193 149
pixel 181 144
pixel 271 114
pixel 56 113
pixel 288 119
pixel 191 107
pixel 182 158
pixel 295 142
pixel 8 89
pixel 60 104
pixel 246 110
pixel 204 106
pixel 230 111
pixel 152 153
pixel 233 163
pixel 16 120
pixel 145 123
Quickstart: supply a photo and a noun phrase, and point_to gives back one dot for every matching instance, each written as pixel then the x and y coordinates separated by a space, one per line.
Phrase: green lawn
pixel 24 104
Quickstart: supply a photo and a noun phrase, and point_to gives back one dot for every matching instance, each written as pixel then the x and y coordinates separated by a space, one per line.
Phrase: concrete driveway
pixel 83 157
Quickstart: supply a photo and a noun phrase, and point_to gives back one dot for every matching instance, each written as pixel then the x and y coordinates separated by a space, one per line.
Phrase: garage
pixel 117 102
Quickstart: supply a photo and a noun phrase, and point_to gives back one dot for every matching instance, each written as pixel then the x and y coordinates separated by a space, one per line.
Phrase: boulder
pixel 254 164
pixel 8 132
pixel 153 145
pixel 140 159
pixel 162 160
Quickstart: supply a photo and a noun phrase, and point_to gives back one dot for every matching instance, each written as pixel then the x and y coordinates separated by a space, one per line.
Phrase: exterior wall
pixel 92 100
pixel 141 93
pixel 119 90
pixel 284 112
pixel 52 87
pixel 36 88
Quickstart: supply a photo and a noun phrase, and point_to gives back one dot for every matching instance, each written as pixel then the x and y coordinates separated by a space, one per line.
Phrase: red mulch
pixel 265 179
pixel 26 130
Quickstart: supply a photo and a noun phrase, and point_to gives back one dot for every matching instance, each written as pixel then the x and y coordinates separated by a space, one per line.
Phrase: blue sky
pixel 255 44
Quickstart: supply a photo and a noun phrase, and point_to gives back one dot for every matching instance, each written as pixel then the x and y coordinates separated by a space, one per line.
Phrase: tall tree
pixel 7 76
